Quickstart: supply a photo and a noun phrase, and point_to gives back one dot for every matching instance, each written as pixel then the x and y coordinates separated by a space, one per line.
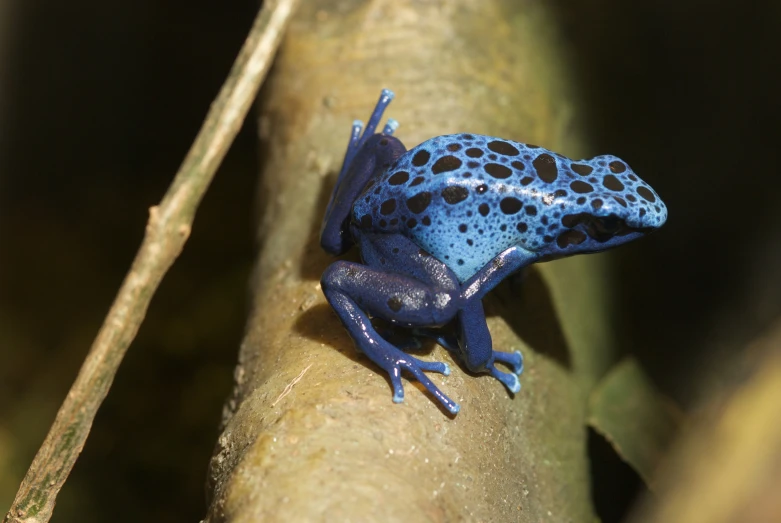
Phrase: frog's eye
pixel 602 229
pixel 610 224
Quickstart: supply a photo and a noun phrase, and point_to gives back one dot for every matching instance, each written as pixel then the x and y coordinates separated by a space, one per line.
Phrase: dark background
pixel 99 103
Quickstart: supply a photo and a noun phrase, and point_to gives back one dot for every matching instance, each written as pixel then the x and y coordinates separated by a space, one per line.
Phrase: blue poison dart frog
pixel 442 224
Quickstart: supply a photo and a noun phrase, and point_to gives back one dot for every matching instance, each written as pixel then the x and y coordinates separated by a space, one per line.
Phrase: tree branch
pixel 336 444
pixel 167 231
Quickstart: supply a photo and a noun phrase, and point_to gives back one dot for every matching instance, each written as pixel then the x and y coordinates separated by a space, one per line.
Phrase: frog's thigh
pixel 390 296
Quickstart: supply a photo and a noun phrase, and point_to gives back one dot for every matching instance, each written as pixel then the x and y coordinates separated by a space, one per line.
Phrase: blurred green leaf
pixel 634 418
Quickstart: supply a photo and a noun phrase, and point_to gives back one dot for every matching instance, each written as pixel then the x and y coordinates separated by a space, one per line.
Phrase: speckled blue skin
pixel 442 224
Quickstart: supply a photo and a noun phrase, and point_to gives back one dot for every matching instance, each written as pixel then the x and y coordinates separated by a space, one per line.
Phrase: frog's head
pixel 607 205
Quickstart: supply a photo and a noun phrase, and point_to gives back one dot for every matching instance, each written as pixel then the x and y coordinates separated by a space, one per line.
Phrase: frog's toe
pixel 509 380
pixel 433 366
pixel 390 127
pixel 398 395
pixel 514 360
pixel 416 368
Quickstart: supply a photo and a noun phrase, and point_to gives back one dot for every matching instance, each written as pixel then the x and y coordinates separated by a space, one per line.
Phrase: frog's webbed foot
pixel 399 361
pixel 514 360
pixel 393 361
pixel 476 348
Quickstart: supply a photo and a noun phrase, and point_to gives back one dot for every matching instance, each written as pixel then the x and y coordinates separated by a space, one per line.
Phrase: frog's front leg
pixel 355 290
pixel 492 273
pixel 476 349
pixel 473 345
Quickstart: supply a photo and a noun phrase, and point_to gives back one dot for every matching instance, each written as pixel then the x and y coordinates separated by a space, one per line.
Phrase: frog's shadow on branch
pixel 523 300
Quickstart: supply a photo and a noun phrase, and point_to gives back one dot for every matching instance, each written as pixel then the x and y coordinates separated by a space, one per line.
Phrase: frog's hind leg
pixel 355 291
pixel 359 134
pixel 471 342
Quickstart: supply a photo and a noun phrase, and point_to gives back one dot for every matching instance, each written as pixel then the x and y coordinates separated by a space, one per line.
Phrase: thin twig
pixel 166 233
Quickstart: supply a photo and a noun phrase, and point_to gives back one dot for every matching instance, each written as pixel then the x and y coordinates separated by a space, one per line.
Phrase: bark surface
pixel 311 433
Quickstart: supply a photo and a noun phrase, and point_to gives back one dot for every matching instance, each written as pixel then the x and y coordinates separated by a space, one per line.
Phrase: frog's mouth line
pixel 602 228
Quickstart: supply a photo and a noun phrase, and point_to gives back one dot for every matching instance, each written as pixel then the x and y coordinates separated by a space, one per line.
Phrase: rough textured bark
pixel 333 446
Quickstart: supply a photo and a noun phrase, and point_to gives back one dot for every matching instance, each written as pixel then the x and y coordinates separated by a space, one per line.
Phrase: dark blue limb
pixel 396 254
pixel 352 148
pixel 477 351
pixel 474 337
pixel 405 286
pixel 390 127
pixel 357 139
pixel 367 157
pixel 508 262
pixel 353 290
pixel 386 95
pixel 514 360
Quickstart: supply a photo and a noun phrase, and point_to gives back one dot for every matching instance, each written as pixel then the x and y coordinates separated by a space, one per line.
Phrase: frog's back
pixel 465 198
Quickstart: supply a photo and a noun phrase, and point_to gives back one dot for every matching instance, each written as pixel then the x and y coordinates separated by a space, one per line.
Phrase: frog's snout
pixel 658 217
